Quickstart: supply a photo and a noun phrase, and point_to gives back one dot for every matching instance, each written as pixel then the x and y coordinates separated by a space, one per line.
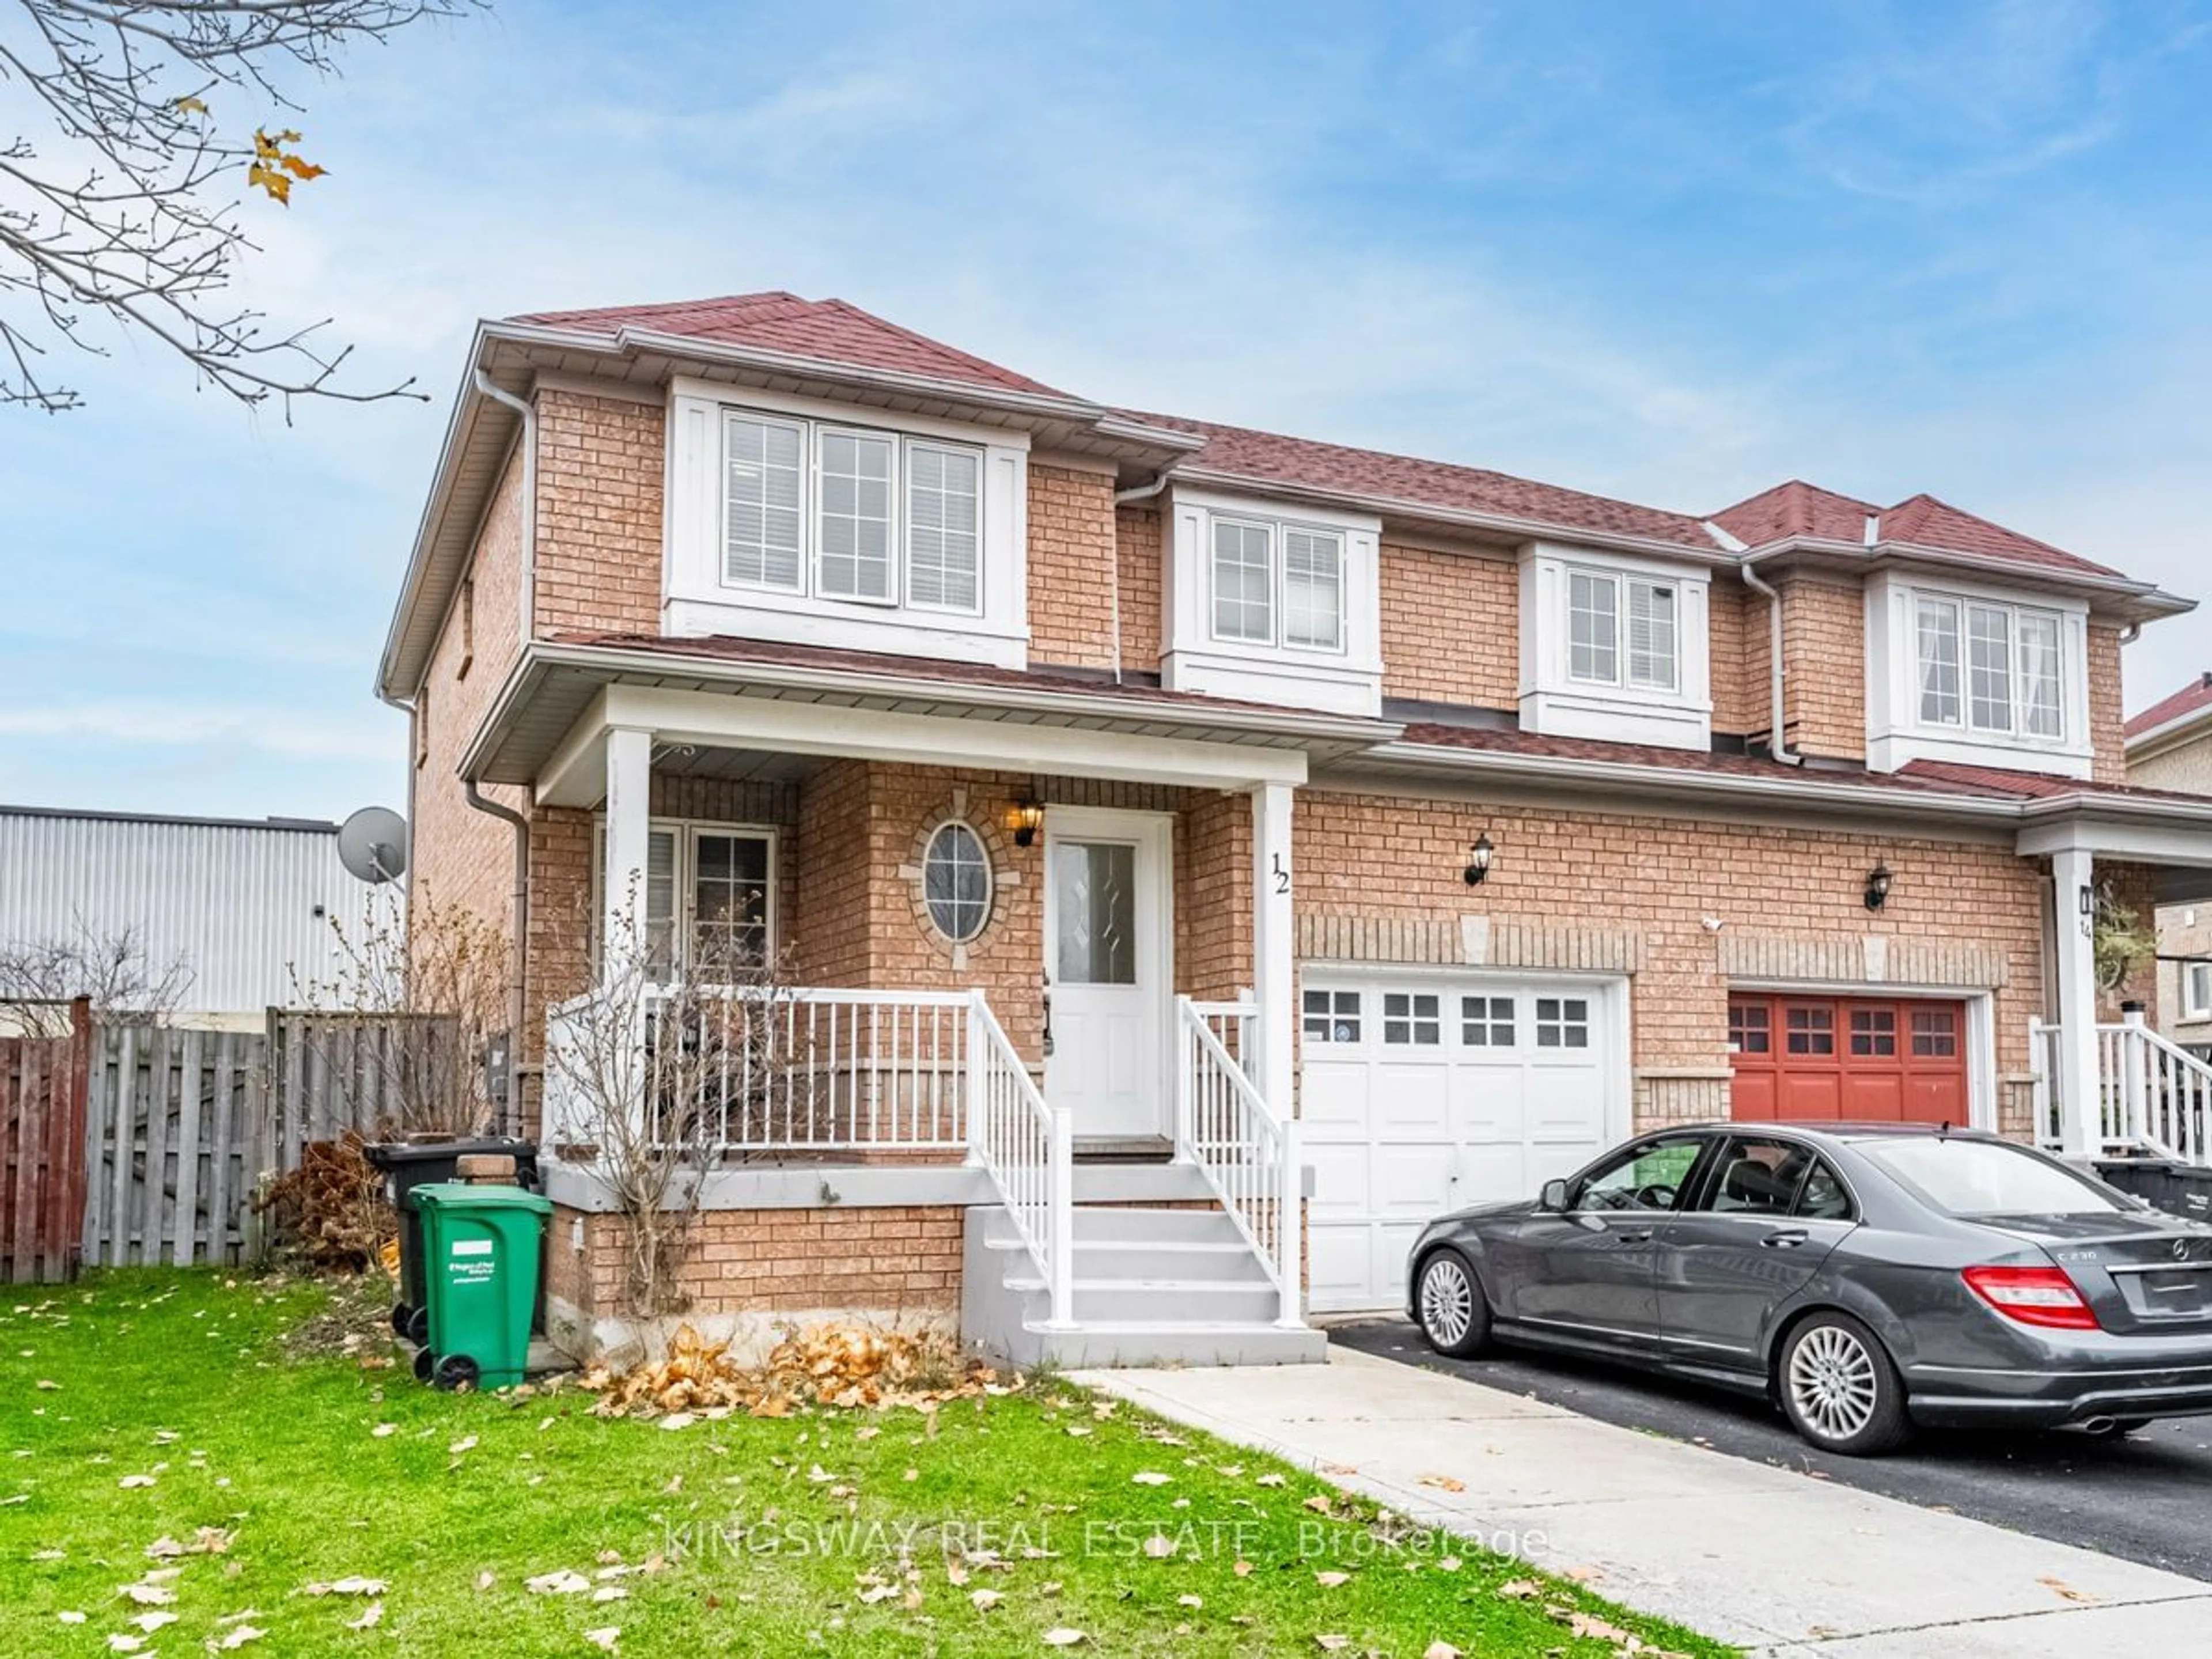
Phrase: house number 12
pixel 1282 876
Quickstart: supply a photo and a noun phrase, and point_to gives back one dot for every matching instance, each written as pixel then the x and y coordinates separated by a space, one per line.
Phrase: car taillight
pixel 2033 1296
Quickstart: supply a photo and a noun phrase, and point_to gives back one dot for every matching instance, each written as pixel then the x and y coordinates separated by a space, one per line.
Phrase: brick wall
pixel 2107 715
pixel 1606 890
pixel 1144 573
pixel 599 486
pixel 1742 699
pixel 1073 555
pixel 1824 653
pixel 1450 626
pixel 891 1259
pixel 1214 896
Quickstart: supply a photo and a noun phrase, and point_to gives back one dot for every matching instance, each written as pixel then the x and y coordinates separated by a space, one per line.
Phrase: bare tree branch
pixel 115 970
pixel 132 212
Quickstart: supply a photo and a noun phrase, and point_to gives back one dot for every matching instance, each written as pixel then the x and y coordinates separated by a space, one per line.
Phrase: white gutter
pixel 1776 744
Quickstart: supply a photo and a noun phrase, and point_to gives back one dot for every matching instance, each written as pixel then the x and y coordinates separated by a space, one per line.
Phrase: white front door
pixel 1106 966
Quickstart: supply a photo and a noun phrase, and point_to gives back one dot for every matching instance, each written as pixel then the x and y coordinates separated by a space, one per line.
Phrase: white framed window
pixel 1597 602
pixel 1991 668
pixel 1243 582
pixel 2196 990
pixel 844 513
pixel 955 881
pixel 945 501
pixel 709 895
pixel 1313 589
pixel 1277 584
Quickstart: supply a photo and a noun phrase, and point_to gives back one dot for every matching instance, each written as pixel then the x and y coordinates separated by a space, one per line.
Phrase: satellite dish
pixel 373 845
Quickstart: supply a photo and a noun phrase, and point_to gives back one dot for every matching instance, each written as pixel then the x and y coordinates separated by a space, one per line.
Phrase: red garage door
pixel 1848 1058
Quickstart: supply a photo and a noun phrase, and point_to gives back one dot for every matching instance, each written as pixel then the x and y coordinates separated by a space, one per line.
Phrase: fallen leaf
pixel 238 1636
pixel 131 1482
pixel 70 1617
pixel 679 1420
pixel 1242 1569
pixel 562 1581
pixel 123 1642
pixel 1150 1478
pixel 1159 1547
pixel 382 1431
pixel 150 1622
pixel 351 1586
pixel 1441 1650
pixel 605 1637
pixel 1064 1637
pixel 1332 1643
pixel 1442 1483
pixel 610 1592
pixel 1268 1480
pixel 1519 1590
pixel 485 1581
pixel 2059 1587
pixel 148 1595
pixel 371 1616
pixel 467 1443
pixel 1190 1602
pixel 1331 1580
pixel 1318 1503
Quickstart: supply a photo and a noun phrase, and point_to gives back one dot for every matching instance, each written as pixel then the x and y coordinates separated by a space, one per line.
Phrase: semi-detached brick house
pixel 1164 782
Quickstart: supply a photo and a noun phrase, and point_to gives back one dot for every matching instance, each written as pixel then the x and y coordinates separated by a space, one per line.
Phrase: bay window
pixel 1277 584
pixel 841 512
pixel 1596 601
pixel 1991 668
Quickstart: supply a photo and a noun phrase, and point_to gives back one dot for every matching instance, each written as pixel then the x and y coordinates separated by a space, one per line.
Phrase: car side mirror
pixel 1554 1198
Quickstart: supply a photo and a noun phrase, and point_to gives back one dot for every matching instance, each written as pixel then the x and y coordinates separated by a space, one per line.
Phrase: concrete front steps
pixel 1153 1287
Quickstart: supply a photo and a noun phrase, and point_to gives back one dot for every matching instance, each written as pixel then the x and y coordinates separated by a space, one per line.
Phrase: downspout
pixel 1775 743
pixel 1128 498
pixel 527 583
pixel 517 1006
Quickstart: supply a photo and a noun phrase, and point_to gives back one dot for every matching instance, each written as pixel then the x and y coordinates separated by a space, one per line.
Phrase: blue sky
pixel 1673 252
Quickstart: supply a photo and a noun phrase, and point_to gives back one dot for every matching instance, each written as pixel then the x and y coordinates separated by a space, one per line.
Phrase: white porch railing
pixel 2151 1096
pixel 1028 1148
pixel 1248 1154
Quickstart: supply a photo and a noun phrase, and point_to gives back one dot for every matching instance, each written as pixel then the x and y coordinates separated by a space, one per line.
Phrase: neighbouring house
pixel 2169 747
pixel 223 918
pixel 1168 820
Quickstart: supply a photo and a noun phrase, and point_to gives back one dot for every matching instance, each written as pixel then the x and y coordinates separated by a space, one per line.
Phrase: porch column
pixel 622 883
pixel 1271 943
pixel 2080 1131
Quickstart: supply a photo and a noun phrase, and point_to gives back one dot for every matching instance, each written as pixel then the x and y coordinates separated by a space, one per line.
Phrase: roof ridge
pixel 1934 500
pixel 760 300
pixel 918 337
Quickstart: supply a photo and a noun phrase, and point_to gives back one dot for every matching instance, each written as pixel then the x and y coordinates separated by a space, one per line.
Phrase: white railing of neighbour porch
pixel 1246 1153
pixel 1028 1149
pixel 2152 1096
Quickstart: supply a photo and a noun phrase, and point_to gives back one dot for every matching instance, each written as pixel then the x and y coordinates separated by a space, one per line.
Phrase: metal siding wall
pixel 237 902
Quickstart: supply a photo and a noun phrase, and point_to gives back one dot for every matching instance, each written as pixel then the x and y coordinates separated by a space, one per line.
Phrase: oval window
pixel 956 882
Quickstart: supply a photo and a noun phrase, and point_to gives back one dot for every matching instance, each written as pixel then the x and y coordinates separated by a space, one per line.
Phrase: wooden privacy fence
pixel 184 1125
pixel 42 1144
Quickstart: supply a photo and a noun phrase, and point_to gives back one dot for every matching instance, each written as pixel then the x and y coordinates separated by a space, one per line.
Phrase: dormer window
pixel 1597 602
pixel 1257 564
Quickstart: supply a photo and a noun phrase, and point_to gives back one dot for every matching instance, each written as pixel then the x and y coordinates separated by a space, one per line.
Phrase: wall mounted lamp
pixel 1024 819
pixel 1478 860
pixel 1878 883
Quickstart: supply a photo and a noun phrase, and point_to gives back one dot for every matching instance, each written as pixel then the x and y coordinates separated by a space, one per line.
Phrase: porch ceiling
pixel 738 713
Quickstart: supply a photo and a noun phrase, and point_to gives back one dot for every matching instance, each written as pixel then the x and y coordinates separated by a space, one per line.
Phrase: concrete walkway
pixel 1775 1561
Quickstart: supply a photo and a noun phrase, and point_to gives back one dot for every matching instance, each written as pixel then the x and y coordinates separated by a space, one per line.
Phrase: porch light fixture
pixel 1478 860
pixel 1878 883
pixel 1024 819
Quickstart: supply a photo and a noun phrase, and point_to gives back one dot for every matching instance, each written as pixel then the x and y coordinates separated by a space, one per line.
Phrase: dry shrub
pixel 330 1210
pixel 843 1366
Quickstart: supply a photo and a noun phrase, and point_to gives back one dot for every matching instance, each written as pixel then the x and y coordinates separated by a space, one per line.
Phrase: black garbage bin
pixel 2153 1180
pixel 408 1164
pixel 2193 1192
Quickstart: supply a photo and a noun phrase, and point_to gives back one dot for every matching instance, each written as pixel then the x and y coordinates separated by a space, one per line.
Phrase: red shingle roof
pixel 1923 521
pixel 831 330
pixel 2193 697
pixel 1274 458
pixel 1796 509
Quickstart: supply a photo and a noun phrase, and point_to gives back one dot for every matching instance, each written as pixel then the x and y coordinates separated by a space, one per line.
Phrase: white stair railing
pixel 1028 1149
pixel 2152 1096
pixel 1248 1154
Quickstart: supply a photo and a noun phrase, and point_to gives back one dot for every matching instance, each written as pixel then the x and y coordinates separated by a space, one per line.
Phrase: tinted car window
pixel 1644 1178
pixel 1987 1177
pixel 1755 1175
pixel 1823 1197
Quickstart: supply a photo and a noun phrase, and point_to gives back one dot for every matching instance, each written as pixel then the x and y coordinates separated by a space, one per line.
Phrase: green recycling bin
pixel 480 1248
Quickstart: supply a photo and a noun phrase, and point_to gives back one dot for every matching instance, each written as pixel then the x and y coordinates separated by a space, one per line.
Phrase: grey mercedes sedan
pixel 1867 1278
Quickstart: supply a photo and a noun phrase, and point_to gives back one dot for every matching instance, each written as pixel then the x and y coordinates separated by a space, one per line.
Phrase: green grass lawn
pixel 137 1407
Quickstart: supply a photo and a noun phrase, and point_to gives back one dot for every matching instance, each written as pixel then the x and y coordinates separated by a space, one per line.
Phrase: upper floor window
pixel 1277 584
pixel 1599 648
pixel 846 513
pixel 1990 668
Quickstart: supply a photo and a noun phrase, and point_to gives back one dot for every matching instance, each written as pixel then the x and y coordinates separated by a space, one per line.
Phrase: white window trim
pixel 1624 585
pixel 1277 637
pixel 687 832
pixel 1557 702
pixel 1898 730
pixel 2195 993
pixel 811 432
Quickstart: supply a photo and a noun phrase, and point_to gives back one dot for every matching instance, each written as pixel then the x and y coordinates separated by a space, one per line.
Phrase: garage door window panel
pixel 1331 1017
pixel 1873 1033
pixel 1486 1022
pixel 1412 1018
pixel 1812 1031
pixel 1563 1023
pixel 1935 1034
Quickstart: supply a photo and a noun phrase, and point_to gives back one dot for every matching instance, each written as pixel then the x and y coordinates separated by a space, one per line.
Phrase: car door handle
pixel 1643 1237
pixel 1789 1240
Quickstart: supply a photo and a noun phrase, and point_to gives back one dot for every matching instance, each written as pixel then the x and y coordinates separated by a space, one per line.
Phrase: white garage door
pixel 1421 1095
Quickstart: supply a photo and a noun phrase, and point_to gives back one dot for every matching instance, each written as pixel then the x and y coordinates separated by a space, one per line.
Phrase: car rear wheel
pixel 1455 1316
pixel 1840 1390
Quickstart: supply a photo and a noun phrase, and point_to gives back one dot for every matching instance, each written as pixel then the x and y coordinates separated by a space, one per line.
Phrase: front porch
pixel 1028 997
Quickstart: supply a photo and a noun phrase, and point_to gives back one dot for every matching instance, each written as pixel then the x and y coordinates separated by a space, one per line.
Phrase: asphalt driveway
pixel 2142 1498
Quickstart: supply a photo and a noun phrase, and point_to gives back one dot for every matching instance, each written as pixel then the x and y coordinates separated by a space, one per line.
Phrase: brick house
pixel 1195 816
